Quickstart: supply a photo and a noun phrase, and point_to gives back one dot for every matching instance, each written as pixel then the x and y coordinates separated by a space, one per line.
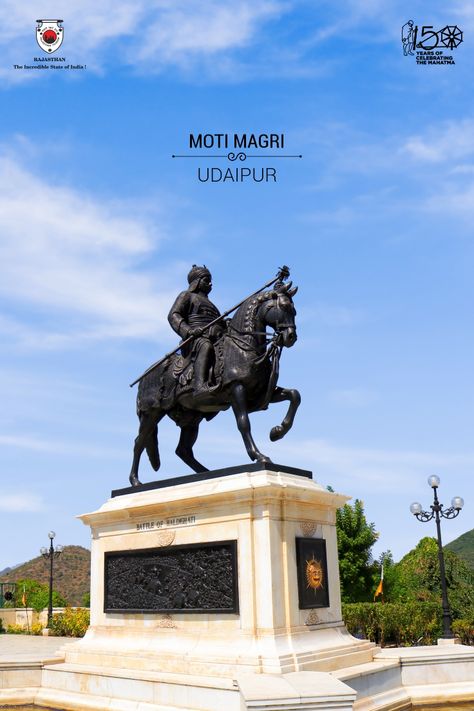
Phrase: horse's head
pixel 279 313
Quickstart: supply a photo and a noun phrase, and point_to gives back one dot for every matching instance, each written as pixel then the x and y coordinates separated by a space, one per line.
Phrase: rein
pixel 272 353
pixel 272 349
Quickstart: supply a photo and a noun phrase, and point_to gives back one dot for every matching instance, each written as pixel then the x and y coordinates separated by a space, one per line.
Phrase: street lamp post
pixel 51 554
pixel 438 512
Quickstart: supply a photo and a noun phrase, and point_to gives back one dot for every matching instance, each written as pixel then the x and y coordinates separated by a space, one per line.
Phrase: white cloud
pixel 444 143
pixel 67 254
pixel 20 502
pixel 197 27
pixel 23 442
pixel 396 177
pixel 455 200
pixel 57 446
pixel 149 35
pixel 463 11
pixel 449 145
pixel 341 465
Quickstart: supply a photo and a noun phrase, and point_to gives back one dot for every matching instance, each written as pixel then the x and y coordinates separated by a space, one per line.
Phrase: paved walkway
pixel 22 647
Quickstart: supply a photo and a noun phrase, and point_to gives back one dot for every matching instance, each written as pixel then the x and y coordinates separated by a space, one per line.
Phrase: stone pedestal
pixel 240 556
pixel 262 513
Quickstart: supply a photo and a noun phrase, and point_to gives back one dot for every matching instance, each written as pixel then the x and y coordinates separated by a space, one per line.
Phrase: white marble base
pixel 272 656
pixel 80 688
pixel 423 675
pixel 263 511
pixel 392 682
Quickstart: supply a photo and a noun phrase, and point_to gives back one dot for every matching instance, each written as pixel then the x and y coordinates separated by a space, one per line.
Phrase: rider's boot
pixel 201 384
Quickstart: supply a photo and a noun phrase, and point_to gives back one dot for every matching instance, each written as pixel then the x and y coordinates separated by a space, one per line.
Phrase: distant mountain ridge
pixel 464 547
pixel 71 573
pixel 9 569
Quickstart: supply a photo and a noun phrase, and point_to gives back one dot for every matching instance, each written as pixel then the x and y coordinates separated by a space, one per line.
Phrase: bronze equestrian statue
pixel 221 364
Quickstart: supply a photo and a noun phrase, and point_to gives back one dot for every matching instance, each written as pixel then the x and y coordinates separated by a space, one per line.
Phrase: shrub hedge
pixel 70 623
pixel 16 629
pixel 400 624
pixel 464 629
pixel 36 629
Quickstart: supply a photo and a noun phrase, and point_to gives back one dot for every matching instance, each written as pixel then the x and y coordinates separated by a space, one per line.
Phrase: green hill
pixel 71 573
pixel 464 547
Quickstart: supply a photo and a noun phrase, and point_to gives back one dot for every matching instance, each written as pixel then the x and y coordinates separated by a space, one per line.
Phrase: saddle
pixel 163 386
pixel 182 369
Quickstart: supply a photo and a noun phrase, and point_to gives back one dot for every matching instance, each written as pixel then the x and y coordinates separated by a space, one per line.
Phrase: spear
pixel 283 273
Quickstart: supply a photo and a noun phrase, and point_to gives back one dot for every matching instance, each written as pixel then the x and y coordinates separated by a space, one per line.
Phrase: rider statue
pixel 190 313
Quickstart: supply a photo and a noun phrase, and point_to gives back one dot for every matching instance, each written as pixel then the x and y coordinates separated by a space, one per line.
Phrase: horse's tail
pixel 151 446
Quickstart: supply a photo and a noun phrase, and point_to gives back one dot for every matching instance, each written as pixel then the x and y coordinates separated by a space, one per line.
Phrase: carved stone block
pixel 194 578
pixel 312 570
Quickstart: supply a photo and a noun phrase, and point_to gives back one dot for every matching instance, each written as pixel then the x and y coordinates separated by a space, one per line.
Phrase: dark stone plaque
pixel 198 577
pixel 312 568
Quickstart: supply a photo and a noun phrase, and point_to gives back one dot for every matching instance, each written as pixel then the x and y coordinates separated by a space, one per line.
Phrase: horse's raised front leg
pixel 184 450
pixel 146 431
pixel 239 406
pixel 294 397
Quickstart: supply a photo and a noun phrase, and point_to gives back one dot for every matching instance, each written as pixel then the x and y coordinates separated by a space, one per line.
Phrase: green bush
pixel 417 578
pixel 464 629
pixel 36 595
pixel 401 624
pixel 36 628
pixel 70 623
pixel 16 629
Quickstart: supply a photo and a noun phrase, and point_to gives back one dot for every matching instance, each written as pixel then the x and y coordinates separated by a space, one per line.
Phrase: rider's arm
pixel 178 315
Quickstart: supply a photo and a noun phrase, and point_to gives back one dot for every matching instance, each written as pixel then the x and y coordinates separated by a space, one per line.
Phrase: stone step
pixel 80 687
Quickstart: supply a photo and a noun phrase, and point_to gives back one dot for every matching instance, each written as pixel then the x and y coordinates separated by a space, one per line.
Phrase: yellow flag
pixel 379 590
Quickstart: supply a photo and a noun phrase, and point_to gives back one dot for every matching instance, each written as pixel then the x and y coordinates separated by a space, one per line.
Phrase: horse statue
pixel 246 368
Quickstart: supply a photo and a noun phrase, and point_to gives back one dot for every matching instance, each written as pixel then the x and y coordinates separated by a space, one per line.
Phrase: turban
pixel 195 275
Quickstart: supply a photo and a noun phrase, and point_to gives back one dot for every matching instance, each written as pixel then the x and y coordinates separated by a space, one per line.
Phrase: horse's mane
pixel 244 317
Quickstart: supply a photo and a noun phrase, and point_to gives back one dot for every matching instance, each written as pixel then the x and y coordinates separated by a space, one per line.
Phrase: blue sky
pixel 100 226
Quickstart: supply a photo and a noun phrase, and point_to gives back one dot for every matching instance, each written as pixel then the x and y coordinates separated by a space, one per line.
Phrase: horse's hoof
pixel 262 459
pixel 276 433
pixel 134 480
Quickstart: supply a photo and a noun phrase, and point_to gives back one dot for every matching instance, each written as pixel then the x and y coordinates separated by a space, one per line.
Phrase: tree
pixel 36 595
pixel 355 538
pixel 417 577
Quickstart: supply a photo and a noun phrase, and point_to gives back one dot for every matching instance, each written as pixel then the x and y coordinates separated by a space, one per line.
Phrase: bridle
pixel 279 327
pixel 269 339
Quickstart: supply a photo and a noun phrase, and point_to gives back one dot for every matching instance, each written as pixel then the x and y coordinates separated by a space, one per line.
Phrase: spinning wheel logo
pixel 451 36
pixel 49 35
pixel 426 40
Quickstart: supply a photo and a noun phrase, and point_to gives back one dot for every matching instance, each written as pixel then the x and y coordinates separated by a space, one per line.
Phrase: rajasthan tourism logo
pixel 49 35
pixel 429 45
